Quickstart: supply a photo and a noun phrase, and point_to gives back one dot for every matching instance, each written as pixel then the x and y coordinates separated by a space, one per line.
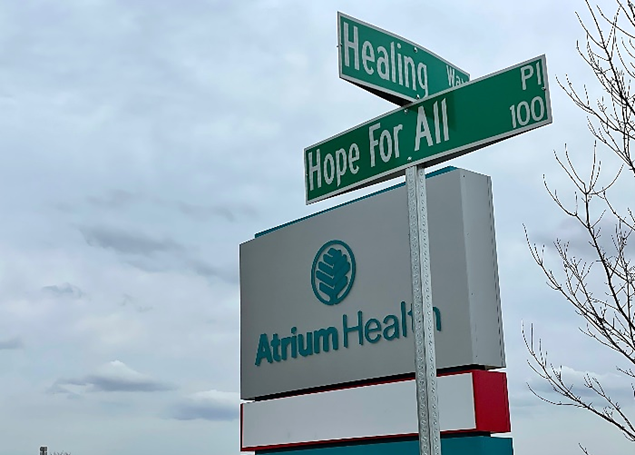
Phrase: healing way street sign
pixel 449 124
pixel 391 66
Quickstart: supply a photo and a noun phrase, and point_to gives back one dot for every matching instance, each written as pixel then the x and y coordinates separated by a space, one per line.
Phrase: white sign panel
pixel 468 402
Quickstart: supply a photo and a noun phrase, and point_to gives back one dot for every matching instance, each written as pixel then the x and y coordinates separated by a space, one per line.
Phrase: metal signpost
pixel 425 362
pixel 436 129
pixel 391 66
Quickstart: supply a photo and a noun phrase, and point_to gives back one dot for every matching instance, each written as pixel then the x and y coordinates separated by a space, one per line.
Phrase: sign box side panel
pixel 243 271
pixel 482 270
pixel 491 401
pixel 448 267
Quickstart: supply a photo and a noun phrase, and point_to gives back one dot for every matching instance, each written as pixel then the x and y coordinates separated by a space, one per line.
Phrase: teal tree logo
pixel 333 272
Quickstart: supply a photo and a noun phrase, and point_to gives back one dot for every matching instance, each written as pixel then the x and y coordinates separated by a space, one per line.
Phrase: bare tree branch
pixel 599 281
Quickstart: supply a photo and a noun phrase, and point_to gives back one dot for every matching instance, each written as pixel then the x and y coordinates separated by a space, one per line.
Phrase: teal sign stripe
pixel 457 445
pixel 443 126
pixel 391 66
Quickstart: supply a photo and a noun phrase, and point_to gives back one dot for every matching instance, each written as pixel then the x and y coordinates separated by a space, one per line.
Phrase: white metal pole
pixel 422 313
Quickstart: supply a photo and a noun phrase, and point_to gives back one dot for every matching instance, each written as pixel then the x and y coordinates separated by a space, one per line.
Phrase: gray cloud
pixel 617 386
pixel 203 212
pixel 128 300
pixel 114 200
pixel 152 255
pixel 210 405
pixel 11 343
pixel 125 242
pixel 106 384
pixel 64 290
pixel 578 239
pixel 121 199
pixel 115 376
pixel 62 388
pixel 183 263
pixel 198 212
pixel 206 270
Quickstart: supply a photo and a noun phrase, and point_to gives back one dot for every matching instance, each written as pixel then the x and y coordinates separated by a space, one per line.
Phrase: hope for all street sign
pixel 430 131
pixel 390 66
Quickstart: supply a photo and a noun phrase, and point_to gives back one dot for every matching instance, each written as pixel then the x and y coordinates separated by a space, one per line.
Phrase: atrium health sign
pixel 327 299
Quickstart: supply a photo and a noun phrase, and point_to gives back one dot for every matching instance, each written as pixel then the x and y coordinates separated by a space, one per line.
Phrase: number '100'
pixel 524 111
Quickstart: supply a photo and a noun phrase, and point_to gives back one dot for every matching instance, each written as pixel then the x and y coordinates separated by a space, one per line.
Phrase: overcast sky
pixel 142 140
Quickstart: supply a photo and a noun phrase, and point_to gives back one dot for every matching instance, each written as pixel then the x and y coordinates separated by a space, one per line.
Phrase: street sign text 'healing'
pixel 391 66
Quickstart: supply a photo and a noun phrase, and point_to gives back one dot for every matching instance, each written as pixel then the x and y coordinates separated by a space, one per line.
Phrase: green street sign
pixel 390 66
pixel 436 129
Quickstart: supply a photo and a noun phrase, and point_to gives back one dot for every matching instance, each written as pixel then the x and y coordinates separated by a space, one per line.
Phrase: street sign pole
pixel 422 313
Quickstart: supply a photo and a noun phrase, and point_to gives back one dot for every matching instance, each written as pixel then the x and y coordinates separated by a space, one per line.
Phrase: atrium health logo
pixel 333 272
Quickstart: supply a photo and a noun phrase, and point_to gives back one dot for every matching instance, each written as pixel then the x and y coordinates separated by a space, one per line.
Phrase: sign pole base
pixel 422 313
